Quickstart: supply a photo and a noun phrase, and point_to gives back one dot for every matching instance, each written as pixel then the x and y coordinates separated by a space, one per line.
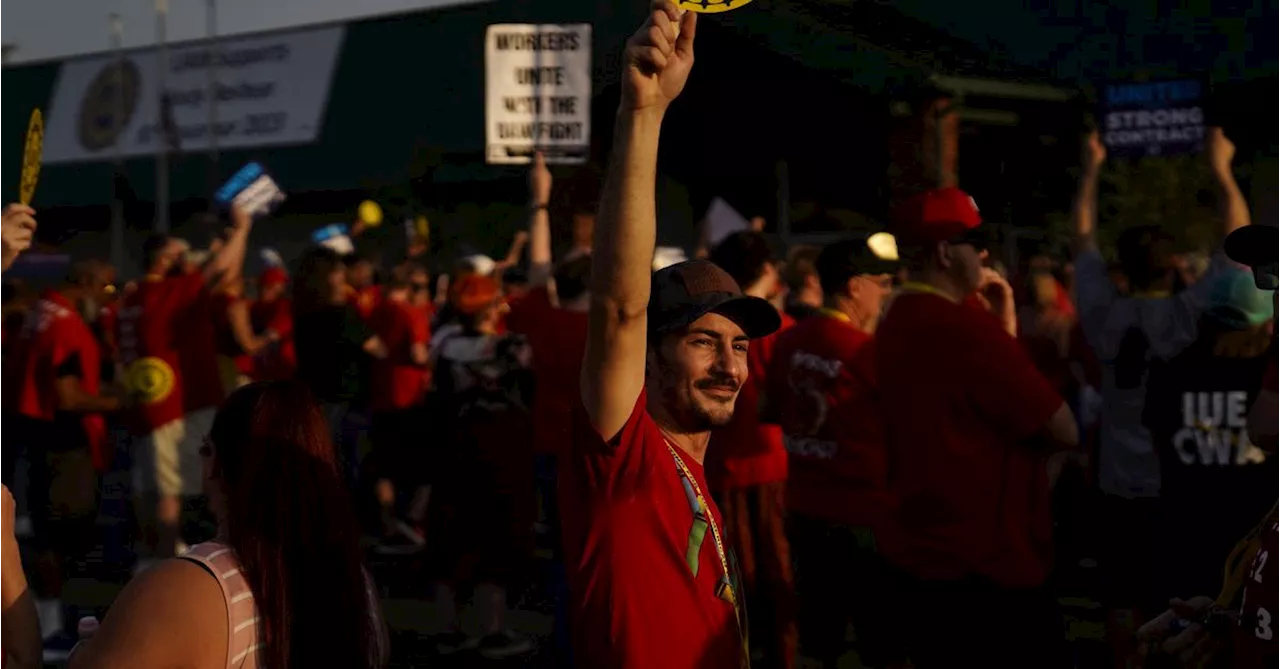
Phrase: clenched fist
pixel 17 229
pixel 658 58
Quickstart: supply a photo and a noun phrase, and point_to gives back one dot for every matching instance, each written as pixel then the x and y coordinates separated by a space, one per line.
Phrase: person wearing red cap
pixel 970 425
pixel 481 514
pixel 652 577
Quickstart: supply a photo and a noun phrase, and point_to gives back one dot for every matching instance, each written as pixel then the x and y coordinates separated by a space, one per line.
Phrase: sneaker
pixel 450 643
pixel 404 541
pixel 504 644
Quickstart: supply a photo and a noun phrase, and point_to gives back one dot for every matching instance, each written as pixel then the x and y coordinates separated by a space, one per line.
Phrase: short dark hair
pixel 1146 254
pixel 572 277
pixel 837 263
pixel 801 263
pixel 744 255
pixel 152 247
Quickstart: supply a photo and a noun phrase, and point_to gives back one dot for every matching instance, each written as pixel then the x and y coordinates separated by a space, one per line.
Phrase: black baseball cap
pixel 843 260
pixel 1253 245
pixel 686 291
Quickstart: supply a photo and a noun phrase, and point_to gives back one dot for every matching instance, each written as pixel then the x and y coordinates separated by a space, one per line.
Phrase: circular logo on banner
pixel 151 379
pixel 710 6
pixel 31 154
pixel 108 104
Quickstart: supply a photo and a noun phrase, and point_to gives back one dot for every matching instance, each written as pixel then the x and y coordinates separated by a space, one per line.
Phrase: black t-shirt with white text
pixel 1215 484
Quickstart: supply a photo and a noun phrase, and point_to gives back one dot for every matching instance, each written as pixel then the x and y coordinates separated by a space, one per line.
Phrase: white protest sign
pixel 537 93
pixel 272 90
pixel 723 220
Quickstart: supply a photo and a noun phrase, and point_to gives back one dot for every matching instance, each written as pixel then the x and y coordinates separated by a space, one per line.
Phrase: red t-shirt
pixel 202 385
pixel 53 334
pixel 822 389
pixel 628 525
pixel 747 452
pixel 1256 645
pixel 279 360
pixel 365 300
pixel 396 381
pixel 156 322
pixel 959 396
pixel 558 338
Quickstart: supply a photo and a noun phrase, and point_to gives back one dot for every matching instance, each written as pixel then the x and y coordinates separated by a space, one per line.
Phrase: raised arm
pixel 539 222
pixel 1084 211
pixel 1231 204
pixel 228 260
pixel 656 65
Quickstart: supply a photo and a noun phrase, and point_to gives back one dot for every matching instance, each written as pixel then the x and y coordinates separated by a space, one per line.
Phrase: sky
pixel 41 30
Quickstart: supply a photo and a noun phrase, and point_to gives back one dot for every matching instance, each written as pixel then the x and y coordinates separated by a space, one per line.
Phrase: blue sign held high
pixel 1155 118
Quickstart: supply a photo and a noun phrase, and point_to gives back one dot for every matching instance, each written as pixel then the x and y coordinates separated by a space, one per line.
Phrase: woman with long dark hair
pixel 283 585
pixel 334 347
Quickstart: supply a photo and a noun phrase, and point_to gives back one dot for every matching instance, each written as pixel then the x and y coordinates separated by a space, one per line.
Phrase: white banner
pixel 537 93
pixel 272 90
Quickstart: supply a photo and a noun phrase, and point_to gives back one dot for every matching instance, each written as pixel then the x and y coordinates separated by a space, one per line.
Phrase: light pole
pixel 116 25
pixel 162 145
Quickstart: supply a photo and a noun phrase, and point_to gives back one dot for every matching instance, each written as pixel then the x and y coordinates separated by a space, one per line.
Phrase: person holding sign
pixel 17 230
pixel 176 388
pixel 652 578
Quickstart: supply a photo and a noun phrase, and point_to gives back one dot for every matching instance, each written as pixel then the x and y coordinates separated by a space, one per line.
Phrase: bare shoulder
pixel 171 615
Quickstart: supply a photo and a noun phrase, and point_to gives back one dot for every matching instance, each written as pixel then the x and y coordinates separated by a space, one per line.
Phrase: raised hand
pixel 17 229
pixel 658 58
pixel 1094 152
pixel 1219 150
pixel 539 181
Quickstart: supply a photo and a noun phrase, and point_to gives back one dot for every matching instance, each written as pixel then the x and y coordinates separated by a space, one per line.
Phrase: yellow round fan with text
pixel 31 156
pixel 711 6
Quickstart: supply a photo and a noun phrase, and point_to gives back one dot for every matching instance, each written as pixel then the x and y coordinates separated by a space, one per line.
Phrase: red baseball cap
pixel 473 293
pixel 273 276
pixel 940 215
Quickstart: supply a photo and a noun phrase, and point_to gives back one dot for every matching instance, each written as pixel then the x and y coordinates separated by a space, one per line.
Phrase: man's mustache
pixel 718 383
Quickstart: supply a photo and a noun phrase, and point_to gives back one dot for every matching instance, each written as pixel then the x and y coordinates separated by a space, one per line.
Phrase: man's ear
pixel 852 287
pixel 942 253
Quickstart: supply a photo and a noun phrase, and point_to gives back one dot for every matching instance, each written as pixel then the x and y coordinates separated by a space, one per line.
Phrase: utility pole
pixel 162 145
pixel 116 26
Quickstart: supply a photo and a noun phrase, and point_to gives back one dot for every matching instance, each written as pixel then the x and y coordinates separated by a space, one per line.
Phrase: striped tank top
pixel 243 641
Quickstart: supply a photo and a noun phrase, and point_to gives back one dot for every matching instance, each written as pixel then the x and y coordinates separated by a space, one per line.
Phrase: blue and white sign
pixel 336 236
pixel 1154 118
pixel 251 189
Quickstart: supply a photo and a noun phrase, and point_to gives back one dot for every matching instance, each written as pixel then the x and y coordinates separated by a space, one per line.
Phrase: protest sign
pixel 1153 118
pixel 711 6
pixel 32 151
pixel 723 220
pixel 336 237
pixel 251 189
pixel 271 90
pixel 369 213
pixel 537 93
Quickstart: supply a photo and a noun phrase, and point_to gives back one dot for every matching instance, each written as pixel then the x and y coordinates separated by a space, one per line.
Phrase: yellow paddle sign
pixel 31 154
pixel 370 213
pixel 710 6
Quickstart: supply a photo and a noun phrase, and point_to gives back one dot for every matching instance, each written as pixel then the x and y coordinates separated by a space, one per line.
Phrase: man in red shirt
pixel 970 425
pixel 273 310
pixel 650 570
pixel 397 391
pixel 54 408
pixel 821 389
pixel 747 467
pixel 168 350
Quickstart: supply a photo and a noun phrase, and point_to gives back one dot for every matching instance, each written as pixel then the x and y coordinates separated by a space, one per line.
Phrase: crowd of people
pixel 736 458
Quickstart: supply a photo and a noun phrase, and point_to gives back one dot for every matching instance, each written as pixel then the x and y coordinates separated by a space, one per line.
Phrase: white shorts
pixel 167 461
